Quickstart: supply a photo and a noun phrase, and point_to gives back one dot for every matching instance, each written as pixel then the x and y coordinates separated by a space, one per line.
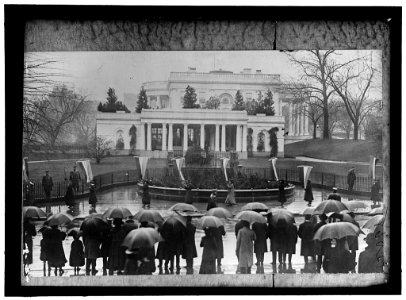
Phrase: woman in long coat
pixel 281 187
pixel 230 200
pixel 77 255
pixel 117 251
pixel 260 244
pixel 146 198
pixel 291 243
pixel 218 234
pixel 208 265
pixel 56 255
pixel 70 195
pixel 189 247
pixel 188 192
pixel 44 249
pixel 92 252
pixel 308 196
pixel 92 195
pixel 244 249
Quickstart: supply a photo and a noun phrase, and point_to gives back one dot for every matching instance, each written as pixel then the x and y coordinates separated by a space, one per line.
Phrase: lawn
pixel 341 150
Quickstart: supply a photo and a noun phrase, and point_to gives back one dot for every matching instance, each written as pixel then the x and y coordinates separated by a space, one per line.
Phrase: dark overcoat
pixel 278 238
pixel 282 197
pixel 189 246
pixel 105 243
pixel 70 196
pixel 29 233
pixel 338 260
pixel 188 194
pixel 261 236
pixel 211 204
pixel 308 196
pixel 375 192
pixel 238 226
pixel 146 198
pixel 76 256
pixel 92 196
pixel 92 247
pixel 56 255
pixel 334 196
pixel 43 256
pixel 291 239
pixel 47 183
pixel 208 265
pixel 319 248
pixel 117 251
pixel 305 232
pixel 370 261
pixel 218 234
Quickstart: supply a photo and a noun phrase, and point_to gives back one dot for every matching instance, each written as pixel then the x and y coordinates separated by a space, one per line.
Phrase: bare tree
pixel 84 124
pixel 352 84
pixel 317 67
pixel 99 148
pixel 56 111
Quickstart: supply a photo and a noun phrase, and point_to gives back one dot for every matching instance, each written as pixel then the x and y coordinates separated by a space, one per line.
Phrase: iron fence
pixel 363 183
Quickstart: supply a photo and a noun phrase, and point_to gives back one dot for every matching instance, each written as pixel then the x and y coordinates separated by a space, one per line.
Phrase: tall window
pixel 156 138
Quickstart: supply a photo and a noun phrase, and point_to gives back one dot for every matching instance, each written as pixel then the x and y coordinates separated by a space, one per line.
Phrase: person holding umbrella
pixel 147 253
pixel 218 233
pixel 212 201
pixel 117 252
pixel 92 251
pixel 208 264
pixel 105 246
pixel 230 200
pixel 56 255
pixel 369 261
pixel 244 248
pixel 291 245
pixel 47 184
pixel 305 232
pixel 338 258
pixel 29 233
pixel 173 232
pixel 319 248
pixel 260 230
pixel 351 178
pixel 308 196
pixel 44 249
pixel 189 248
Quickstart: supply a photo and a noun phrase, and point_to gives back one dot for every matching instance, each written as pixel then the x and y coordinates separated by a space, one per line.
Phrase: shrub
pixel 193 155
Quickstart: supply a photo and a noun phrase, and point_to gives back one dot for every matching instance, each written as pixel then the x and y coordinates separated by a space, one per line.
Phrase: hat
pixel 334 188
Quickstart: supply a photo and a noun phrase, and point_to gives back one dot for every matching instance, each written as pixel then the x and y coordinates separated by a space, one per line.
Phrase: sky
pixel 92 73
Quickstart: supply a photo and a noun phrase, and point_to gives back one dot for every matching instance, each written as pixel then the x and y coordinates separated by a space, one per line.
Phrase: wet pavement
pixel 128 197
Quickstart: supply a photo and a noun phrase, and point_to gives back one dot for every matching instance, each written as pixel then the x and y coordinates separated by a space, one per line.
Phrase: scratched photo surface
pixel 278 159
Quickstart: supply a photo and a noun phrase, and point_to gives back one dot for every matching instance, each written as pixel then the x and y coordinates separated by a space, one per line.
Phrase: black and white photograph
pixel 171 167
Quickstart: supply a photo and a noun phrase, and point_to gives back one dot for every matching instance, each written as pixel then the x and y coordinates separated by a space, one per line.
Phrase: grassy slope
pixel 341 150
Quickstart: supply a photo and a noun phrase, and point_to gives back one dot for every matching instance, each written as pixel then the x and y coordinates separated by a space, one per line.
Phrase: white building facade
pixel 168 127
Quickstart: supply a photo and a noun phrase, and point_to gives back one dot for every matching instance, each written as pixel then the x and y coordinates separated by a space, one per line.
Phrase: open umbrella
pixel 308 211
pixel 353 205
pixel 219 212
pixel 327 206
pixel 251 217
pixel 376 211
pixel 59 219
pixel 255 206
pixel 344 217
pixel 147 215
pixel 211 222
pixel 375 221
pixel 117 213
pixel 172 227
pixel 94 225
pixel 337 230
pixel 129 226
pixel 33 212
pixel 141 237
pixel 74 232
pixel 183 207
pixel 282 218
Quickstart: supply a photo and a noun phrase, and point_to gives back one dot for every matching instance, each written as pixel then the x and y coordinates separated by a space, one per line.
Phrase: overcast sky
pixel 92 73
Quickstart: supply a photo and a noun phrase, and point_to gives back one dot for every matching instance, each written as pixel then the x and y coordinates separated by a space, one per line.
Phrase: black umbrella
pixel 147 215
pixel 33 212
pixel 173 226
pixel 327 206
pixel 94 225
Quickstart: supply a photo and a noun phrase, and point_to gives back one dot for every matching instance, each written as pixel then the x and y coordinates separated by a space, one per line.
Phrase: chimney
pixel 192 69
pixel 259 71
pixel 246 71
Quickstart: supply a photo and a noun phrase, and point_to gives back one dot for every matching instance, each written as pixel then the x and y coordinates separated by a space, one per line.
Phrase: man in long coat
pixel 218 235
pixel 75 178
pixel 281 187
pixel 70 195
pixel 29 233
pixel 146 198
pixel 92 252
pixel 305 232
pixel 47 184
pixel 375 197
pixel 117 251
pixel 278 241
pixel 319 248
pixel 351 177
pixel 260 244
pixel 244 249
pixel 308 196
pixel 189 247
pixel 291 244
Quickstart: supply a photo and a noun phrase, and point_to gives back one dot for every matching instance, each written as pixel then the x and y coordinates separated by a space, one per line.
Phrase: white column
pixel 244 138
pixel 254 140
pixel 306 124
pixel 238 139
pixel 202 136
pixel 302 115
pixel 158 102
pixel 290 119
pixel 297 119
pixel 223 138
pixel 216 139
pixel 170 137
pixel 185 137
pixel 141 138
pixel 164 137
pixel 149 136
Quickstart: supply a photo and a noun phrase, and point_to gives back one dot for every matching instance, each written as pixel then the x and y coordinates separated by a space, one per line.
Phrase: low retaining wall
pixel 202 195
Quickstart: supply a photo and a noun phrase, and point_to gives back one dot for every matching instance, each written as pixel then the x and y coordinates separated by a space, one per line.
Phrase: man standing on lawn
pixel 75 178
pixel 47 184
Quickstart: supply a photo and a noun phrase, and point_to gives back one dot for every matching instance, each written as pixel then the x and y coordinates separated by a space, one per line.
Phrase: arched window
pixel 119 140
pixel 261 142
